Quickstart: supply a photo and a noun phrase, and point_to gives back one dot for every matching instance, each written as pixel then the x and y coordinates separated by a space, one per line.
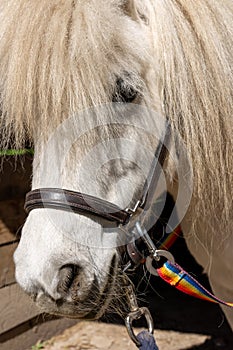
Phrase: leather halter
pixel 81 203
pixel 77 202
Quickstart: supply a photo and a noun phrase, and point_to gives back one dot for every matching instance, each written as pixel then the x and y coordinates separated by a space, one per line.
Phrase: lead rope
pixel 177 277
pixel 147 341
pixel 172 274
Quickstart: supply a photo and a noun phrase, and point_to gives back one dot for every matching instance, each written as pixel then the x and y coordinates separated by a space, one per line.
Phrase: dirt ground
pixel 100 336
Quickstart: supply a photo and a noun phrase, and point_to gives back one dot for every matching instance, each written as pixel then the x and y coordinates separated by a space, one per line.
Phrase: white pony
pixel 61 57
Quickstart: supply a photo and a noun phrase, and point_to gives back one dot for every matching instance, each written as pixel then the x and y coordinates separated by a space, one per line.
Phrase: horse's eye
pixel 124 92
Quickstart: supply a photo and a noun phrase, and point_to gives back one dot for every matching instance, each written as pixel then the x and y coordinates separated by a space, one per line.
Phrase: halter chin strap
pixel 81 203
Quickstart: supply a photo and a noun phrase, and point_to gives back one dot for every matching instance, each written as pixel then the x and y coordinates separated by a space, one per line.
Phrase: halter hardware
pixel 136 313
pixel 133 210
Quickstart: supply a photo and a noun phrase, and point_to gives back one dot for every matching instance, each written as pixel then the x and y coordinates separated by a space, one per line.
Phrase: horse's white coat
pixel 65 58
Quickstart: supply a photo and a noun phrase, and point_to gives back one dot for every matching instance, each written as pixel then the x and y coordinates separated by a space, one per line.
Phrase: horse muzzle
pixel 74 291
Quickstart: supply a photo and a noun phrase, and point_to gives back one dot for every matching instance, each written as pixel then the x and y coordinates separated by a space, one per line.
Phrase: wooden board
pixel 15 308
pixel 5 233
pixel 37 333
pixel 7 267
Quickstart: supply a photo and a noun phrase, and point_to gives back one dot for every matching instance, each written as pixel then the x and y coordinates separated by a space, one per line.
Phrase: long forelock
pixel 60 57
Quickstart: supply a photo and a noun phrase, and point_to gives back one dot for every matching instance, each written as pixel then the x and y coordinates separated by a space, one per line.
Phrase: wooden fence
pixel 21 323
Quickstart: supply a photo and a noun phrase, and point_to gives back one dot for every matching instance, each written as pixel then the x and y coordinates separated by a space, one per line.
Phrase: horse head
pixel 69 260
pixel 94 142
pixel 93 84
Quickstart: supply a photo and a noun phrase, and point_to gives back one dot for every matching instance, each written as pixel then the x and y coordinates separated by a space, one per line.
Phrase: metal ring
pixel 136 315
pixel 158 254
pixel 166 254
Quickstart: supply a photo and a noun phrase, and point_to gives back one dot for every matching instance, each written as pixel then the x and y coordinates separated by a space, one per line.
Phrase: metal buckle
pixel 136 315
pixel 146 238
pixel 142 233
pixel 136 312
pixel 133 210
pixel 154 253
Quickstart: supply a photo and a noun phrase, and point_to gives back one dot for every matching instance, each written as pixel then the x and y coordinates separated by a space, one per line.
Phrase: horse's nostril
pixel 59 302
pixel 67 276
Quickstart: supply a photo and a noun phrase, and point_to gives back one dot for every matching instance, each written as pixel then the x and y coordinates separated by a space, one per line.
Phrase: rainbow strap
pixel 169 239
pixel 177 277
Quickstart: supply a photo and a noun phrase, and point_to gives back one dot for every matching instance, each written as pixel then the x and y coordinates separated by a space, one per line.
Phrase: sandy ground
pixel 100 336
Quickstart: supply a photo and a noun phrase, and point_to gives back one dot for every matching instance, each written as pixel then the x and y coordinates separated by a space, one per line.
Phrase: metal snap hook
pixel 136 315
pixel 158 254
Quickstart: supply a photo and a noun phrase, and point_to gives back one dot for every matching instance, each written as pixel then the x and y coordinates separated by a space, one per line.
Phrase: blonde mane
pixel 61 56
pixel 194 43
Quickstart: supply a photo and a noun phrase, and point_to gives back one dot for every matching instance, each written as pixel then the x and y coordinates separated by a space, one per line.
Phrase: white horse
pixel 60 58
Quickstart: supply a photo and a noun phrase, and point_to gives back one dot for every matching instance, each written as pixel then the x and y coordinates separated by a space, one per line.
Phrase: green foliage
pixel 39 345
pixel 15 152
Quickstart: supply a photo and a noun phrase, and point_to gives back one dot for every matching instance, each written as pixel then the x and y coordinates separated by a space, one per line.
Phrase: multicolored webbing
pixel 177 277
pixel 169 238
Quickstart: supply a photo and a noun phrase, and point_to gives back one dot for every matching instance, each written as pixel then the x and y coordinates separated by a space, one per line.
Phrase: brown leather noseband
pixel 81 203
pixel 76 202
